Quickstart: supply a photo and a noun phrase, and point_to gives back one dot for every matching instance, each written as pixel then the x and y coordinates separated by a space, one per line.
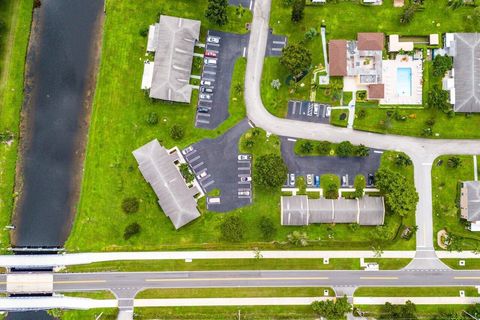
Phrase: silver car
pixel 292 179
pixel 213 39
pixel 205 96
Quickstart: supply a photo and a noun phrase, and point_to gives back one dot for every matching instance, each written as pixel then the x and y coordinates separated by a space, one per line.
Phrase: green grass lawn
pixel 104 314
pixel 233 292
pixel 222 313
pixel 339 117
pixel 445 195
pixel 91 294
pixel 470 264
pixel 17 16
pixel 422 311
pixel 343 20
pixel 415 292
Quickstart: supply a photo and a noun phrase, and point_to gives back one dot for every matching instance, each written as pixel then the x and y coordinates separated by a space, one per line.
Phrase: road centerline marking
pixel 233 279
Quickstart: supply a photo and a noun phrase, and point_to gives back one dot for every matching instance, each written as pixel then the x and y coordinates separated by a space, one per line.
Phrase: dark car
pixel 371 179
pixel 206 89
pixel 203 109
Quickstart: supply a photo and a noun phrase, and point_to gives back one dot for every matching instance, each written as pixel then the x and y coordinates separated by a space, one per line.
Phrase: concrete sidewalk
pixel 85 258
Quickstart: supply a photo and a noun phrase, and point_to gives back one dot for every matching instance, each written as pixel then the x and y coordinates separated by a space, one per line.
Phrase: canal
pixel 61 68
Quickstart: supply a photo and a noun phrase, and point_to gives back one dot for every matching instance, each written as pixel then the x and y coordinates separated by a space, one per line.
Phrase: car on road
pixel 205 96
pixel 213 39
pixel 210 61
pixel 243 192
pixel 292 179
pixel 202 175
pixel 316 181
pixel 187 150
pixel 206 89
pixel 202 109
pixel 205 82
pixel 245 179
pixel 210 53
pixel 370 179
pixel 309 179
pixel 244 157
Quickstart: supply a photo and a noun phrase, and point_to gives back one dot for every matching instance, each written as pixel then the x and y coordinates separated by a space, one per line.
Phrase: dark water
pixel 60 69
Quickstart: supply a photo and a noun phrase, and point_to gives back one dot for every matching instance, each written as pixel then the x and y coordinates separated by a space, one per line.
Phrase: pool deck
pixel 389 75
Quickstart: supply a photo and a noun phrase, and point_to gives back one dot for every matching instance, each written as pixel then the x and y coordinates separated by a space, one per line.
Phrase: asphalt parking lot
pixel 248 4
pixel 218 159
pixel 275 44
pixel 230 47
pixel 303 165
pixel 308 111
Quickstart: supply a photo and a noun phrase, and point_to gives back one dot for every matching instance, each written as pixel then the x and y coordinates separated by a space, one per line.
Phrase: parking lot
pixel 248 4
pixel 217 74
pixel 308 111
pixel 275 44
pixel 317 165
pixel 217 165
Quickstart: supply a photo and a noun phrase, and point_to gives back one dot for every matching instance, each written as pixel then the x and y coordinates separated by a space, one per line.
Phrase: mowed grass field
pixel 17 16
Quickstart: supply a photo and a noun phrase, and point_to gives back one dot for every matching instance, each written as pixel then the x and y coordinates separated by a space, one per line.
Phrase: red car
pixel 210 54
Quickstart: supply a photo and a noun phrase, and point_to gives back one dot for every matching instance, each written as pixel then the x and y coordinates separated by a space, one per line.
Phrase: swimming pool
pixel 404 82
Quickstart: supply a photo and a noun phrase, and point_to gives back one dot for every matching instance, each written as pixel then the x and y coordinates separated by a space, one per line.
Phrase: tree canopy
pixel 438 99
pixel 332 309
pixel 270 171
pixel 441 64
pixel 217 12
pixel 400 195
pixel 391 311
pixel 296 58
pixel 298 8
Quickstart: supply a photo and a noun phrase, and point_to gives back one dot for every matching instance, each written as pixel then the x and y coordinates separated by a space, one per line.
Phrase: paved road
pixel 421 151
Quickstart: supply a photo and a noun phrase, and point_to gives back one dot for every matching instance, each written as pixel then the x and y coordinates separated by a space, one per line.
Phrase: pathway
pixel 475 168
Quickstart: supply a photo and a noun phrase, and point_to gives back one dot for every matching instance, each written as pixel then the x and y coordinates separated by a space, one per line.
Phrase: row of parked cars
pixel 314 180
pixel 206 86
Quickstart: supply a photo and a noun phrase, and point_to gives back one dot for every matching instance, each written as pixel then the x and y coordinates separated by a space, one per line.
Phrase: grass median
pixel 416 292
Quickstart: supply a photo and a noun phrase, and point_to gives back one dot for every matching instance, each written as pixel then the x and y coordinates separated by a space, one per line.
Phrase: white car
pixel 187 150
pixel 210 61
pixel 309 179
pixel 202 175
pixel 213 39
pixel 292 179
pixel 205 82
pixel 205 96
pixel 244 157
pixel 243 192
pixel 245 179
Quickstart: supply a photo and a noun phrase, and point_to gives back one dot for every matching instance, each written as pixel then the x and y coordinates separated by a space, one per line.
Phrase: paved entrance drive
pixel 275 45
pixel 218 158
pixel 317 165
pixel 230 47
pixel 308 111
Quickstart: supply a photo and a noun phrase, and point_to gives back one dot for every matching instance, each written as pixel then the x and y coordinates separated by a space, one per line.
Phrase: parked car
pixel 213 200
pixel 206 89
pixel 210 61
pixel 213 39
pixel 209 53
pixel 344 180
pixel 205 96
pixel 292 179
pixel 187 150
pixel 245 179
pixel 243 192
pixel 205 82
pixel 316 181
pixel 309 179
pixel 202 175
pixel 316 109
pixel 244 157
pixel 370 179
pixel 202 109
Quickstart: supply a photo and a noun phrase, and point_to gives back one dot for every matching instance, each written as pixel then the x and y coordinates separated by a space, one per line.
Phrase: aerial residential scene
pixel 239 159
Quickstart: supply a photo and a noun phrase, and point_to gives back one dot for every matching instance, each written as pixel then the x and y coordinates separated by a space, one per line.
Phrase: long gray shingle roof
pixel 174 196
pixel 473 200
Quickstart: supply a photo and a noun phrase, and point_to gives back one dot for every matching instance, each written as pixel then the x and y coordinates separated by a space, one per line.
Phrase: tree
pixel 297 10
pixel 232 228
pixel 217 12
pixel 441 64
pixel 345 149
pixel 267 227
pixel 299 239
pixel 400 194
pixel 438 99
pixel 238 88
pixel 362 151
pixel 454 162
pixel 177 132
pixel 332 309
pixel 152 118
pixel 408 13
pixel 324 147
pixel 131 230
pixel 296 58
pixel 270 171
pixel 306 147
pixel 186 173
pixel 311 33
pixel 130 205
pixel 406 311
pixel 359 185
pixel 331 190
pixel 402 160
pixel 276 84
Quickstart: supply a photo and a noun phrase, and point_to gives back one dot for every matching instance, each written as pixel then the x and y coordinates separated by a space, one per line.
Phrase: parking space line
pixel 205 100
pixel 203 121
pixel 277 49
pixel 243 168
pixel 244 51
pixel 278 42
pixel 250 6
pixel 208 184
pixel 209 72
pixel 203 114
pixel 190 154
pixel 213 44
pixel 197 165
pixel 194 159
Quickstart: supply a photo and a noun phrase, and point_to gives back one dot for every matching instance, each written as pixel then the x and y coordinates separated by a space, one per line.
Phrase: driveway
pixel 318 165
pixel 218 158
pixel 231 47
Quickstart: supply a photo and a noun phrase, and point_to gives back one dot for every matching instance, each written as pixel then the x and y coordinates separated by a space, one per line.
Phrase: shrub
pixel 130 205
pixel 152 118
pixel 177 132
pixel 270 171
pixel 143 32
pixel 311 33
pixel 441 64
pixel 362 114
pixel 232 229
pixel 408 13
pixel 359 185
pixel 324 147
pixel 331 191
pixel 297 10
pixel 362 151
pixel 267 227
pixel 454 162
pixel 402 160
pixel 306 147
pixel 217 12
pixel 186 173
pixel 131 230
pixel 299 239
pixel 6 136
pixel 345 149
